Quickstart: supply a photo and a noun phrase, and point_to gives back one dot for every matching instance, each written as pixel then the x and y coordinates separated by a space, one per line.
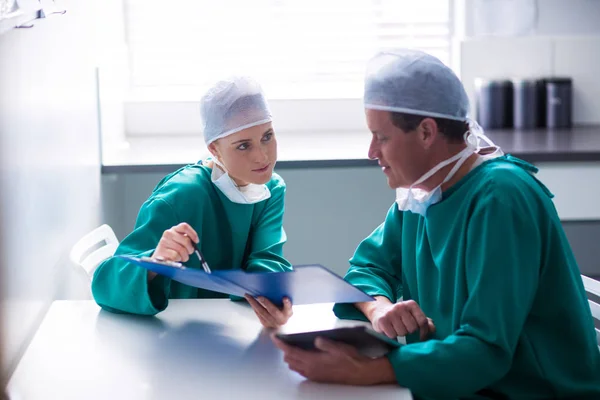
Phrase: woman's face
pixel 248 155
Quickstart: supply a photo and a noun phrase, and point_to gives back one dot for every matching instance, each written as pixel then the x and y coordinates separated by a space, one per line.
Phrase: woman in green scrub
pixel 231 207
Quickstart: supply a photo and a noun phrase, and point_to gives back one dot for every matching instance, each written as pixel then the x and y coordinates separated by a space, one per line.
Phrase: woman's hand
pixel 175 245
pixel 269 315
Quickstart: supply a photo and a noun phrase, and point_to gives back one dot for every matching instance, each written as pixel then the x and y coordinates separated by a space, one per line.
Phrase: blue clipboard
pixel 306 284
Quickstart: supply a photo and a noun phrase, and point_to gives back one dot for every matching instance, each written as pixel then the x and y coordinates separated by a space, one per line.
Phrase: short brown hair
pixel 452 129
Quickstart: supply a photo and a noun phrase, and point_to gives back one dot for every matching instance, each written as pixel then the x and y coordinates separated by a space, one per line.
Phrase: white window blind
pixel 297 49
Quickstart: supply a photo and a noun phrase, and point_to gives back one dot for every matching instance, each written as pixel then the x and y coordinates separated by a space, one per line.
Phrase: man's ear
pixel 428 132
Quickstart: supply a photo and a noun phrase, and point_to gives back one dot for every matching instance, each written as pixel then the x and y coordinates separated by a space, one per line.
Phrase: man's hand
pixel 336 362
pixel 398 319
pixel 269 315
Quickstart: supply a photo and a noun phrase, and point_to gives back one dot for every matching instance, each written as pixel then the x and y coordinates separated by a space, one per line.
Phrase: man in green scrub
pixel 471 263
pixel 231 207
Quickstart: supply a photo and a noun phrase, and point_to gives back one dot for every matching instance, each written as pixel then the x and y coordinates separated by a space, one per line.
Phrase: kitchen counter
pixel 578 144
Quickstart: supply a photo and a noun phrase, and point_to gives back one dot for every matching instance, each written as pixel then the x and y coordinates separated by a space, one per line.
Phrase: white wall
pixel 564 40
pixel 49 165
pixel 577 57
pixel 328 210
pixel 552 17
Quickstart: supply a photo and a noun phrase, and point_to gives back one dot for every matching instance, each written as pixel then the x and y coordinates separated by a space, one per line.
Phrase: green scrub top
pixel 491 265
pixel 232 235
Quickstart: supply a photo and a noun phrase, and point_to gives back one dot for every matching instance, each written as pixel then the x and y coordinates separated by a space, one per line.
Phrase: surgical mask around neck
pixel 249 194
pixel 418 200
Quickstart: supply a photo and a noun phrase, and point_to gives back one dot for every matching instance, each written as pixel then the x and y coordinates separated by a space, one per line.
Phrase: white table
pixel 196 349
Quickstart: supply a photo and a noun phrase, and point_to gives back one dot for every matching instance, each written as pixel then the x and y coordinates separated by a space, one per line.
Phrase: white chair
pixel 93 248
pixel 593 287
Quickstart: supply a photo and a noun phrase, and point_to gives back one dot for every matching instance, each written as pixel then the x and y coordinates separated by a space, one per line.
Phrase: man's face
pixel 401 154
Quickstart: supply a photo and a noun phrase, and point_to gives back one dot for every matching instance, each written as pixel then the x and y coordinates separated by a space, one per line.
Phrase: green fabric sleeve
pixel 376 266
pixel 119 286
pixel 503 258
pixel 268 237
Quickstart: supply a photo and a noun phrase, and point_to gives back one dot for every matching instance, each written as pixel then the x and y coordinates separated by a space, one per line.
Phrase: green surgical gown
pixel 491 265
pixel 247 236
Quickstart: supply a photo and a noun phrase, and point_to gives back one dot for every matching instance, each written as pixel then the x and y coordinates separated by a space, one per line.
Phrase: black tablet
pixel 366 340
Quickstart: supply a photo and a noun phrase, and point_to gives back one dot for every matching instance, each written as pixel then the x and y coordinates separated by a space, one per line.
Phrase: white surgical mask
pixel 418 200
pixel 249 194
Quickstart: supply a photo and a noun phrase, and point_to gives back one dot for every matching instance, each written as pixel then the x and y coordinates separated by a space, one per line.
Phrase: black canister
pixel 494 103
pixel 559 101
pixel 541 104
pixel 525 103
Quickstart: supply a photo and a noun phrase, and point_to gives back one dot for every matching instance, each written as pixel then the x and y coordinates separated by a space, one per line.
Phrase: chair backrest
pixel 93 248
pixel 592 287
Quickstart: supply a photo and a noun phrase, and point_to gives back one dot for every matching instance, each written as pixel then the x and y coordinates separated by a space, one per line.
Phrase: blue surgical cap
pixel 232 105
pixel 414 82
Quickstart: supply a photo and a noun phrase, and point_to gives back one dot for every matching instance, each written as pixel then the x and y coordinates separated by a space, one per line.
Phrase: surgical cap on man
pixel 414 82
pixel 232 105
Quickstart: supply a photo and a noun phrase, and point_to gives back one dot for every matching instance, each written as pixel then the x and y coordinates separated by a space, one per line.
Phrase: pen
pixel 200 257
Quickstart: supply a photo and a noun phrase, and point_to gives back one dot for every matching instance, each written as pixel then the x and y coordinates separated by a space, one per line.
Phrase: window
pixel 297 49
pixel 309 55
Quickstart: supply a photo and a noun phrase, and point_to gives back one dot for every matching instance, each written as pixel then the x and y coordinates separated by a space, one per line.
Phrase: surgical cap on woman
pixel 414 82
pixel 232 105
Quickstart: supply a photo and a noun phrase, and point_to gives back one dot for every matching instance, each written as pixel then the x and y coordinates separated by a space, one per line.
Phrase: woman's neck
pixel 211 164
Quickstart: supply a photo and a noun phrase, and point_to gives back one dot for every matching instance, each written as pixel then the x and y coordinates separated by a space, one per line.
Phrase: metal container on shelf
pixel 526 107
pixel 559 102
pixel 494 103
